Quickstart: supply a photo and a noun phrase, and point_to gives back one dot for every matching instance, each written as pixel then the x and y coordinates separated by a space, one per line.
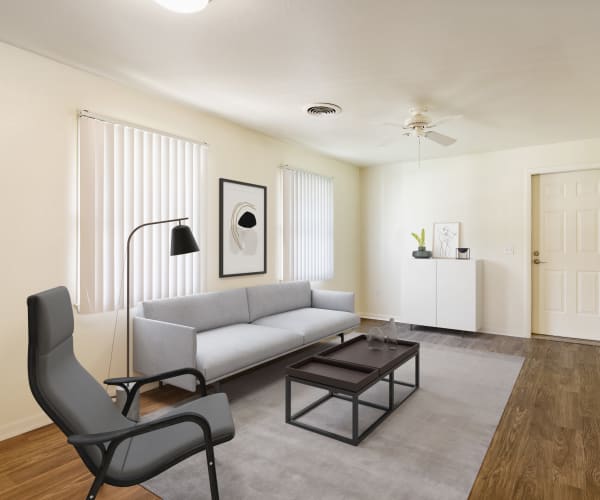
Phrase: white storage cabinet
pixel 443 293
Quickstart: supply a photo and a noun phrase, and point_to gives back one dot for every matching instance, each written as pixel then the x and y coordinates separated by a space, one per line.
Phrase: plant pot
pixel 422 253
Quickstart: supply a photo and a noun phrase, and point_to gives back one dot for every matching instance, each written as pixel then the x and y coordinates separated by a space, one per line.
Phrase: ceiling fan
pixel 419 125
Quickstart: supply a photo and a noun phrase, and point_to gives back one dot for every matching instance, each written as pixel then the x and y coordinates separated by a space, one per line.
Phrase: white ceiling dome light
pixel 184 6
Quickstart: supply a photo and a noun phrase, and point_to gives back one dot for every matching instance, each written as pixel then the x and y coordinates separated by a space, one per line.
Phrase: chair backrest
pixel 68 394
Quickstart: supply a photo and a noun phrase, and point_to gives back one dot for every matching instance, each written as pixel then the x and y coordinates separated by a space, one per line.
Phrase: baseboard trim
pixel 491 331
pixel 570 340
pixel 382 317
pixel 12 429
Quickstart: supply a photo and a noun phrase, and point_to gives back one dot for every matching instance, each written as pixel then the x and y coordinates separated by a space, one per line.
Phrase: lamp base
pixel 134 411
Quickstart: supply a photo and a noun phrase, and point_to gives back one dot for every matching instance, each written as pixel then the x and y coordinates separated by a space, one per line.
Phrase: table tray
pixel 357 352
pixel 334 373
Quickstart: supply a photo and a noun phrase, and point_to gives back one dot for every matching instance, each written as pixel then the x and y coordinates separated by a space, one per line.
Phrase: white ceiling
pixel 521 72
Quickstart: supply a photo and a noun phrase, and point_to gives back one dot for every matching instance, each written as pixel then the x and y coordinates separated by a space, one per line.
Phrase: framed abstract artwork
pixel 242 228
pixel 446 239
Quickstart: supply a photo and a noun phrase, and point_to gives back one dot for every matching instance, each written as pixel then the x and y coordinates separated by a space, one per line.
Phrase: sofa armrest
pixel 329 299
pixel 161 347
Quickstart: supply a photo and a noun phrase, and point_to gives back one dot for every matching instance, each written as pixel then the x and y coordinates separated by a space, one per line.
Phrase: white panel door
pixel 566 254
pixel 457 294
pixel 419 292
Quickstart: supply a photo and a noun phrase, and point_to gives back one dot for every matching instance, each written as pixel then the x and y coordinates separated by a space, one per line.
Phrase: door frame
pixel 528 234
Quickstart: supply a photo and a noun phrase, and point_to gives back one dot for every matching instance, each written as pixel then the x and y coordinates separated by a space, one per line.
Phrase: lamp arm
pixel 179 219
pixel 152 224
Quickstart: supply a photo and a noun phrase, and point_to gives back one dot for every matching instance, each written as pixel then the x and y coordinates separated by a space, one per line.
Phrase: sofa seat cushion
pixel 312 323
pixel 225 350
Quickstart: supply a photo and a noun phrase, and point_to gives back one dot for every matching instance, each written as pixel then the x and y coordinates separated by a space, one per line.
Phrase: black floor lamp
pixel 182 242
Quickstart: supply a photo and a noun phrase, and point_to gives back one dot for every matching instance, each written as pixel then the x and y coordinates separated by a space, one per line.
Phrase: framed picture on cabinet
pixel 446 239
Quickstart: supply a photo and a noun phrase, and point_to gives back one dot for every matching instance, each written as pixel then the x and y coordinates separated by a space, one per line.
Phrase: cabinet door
pixel 419 292
pixel 457 294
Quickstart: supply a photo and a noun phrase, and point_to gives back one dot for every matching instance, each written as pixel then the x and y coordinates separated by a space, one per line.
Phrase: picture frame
pixel 242 228
pixel 446 239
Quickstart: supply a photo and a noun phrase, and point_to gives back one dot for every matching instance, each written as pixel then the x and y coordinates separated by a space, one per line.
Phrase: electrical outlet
pixel 509 250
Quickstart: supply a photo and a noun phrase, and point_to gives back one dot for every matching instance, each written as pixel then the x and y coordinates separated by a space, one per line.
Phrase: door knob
pixel 538 261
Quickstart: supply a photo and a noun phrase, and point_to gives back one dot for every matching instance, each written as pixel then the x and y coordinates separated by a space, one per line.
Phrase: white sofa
pixel 223 333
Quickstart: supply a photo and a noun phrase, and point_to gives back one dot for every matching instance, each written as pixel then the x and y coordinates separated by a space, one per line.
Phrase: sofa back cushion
pixel 204 311
pixel 266 300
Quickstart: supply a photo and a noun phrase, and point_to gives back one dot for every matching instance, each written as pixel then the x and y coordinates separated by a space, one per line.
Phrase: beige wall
pixel 39 100
pixel 486 193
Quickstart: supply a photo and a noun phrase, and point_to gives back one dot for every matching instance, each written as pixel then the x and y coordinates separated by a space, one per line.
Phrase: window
pixel 307 220
pixel 129 176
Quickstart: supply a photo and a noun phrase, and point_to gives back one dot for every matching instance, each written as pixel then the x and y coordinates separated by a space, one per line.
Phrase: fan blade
pixel 442 139
pixel 444 119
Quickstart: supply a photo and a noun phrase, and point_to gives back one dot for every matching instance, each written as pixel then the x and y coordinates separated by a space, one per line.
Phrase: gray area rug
pixel 429 448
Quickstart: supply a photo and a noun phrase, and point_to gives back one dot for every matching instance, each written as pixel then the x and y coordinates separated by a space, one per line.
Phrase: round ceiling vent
pixel 323 109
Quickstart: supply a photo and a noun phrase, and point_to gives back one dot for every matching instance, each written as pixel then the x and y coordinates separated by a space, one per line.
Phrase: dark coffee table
pixel 346 371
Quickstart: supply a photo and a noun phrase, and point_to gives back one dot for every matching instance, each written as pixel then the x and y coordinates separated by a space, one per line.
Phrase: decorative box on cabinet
pixel 443 293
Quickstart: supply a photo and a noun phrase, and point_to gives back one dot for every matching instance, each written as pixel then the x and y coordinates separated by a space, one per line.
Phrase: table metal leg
pixel 288 399
pixel 355 419
pixel 391 390
pixel 417 370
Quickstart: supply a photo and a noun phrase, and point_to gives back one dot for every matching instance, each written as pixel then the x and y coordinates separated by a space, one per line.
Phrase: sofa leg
pixel 341 335
pixel 216 386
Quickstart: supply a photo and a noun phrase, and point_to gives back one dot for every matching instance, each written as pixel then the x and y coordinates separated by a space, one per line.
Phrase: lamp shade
pixel 182 240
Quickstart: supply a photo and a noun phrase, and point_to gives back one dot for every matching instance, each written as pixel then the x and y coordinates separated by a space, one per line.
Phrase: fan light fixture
pixel 183 6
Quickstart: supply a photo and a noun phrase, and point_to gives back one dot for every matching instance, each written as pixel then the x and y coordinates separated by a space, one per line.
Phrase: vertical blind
pixel 307 218
pixel 129 176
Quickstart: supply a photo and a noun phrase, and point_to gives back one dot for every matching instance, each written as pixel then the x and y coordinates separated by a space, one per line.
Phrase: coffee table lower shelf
pixel 354 398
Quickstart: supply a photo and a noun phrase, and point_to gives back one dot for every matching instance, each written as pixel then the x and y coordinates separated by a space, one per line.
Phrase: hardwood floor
pixel 547 445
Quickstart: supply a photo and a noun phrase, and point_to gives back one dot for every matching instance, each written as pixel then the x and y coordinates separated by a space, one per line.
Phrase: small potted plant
pixel 422 252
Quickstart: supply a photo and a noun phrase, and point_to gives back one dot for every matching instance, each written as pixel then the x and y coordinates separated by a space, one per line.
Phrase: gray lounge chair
pixel 116 450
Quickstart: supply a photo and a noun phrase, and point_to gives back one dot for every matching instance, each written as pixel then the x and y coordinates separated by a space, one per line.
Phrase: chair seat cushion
pixel 312 323
pixel 231 348
pixel 142 456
